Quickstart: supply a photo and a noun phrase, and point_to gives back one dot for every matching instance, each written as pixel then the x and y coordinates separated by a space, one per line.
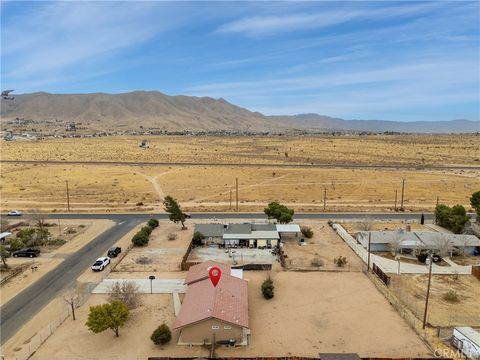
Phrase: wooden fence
pixel 382 276
pixel 14 273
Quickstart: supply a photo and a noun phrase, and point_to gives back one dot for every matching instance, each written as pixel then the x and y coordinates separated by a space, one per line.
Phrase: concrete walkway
pixel 438 229
pixel 391 266
pixel 159 286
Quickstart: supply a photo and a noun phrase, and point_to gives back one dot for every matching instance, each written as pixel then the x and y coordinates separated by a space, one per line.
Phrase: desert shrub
pixel 341 261
pixel 317 262
pixel 81 226
pixel 451 296
pixel 140 239
pixel 71 231
pixel 153 223
pixel 139 203
pixel 197 238
pixel 147 229
pixel 307 231
pixel 126 292
pixel 56 242
pixel 172 236
pixel 15 244
pixel 267 288
pixel 161 335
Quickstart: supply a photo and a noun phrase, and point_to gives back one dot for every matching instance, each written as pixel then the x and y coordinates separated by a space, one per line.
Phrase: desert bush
pixel 147 229
pixel 126 292
pixel 140 239
pixel 15 244
pixel 317 262
pixel 172 236
pixel 161 335
pixel 341 261
pixel 56 242
pixel 153 223
pixel 307 231
pixel 451 296
pixel 139 203
pixel 267 288
pixel 71 231
pixel 81 226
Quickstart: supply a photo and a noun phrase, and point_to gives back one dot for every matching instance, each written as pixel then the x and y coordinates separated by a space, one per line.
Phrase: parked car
pixel 187 215
pixel 114 251
pixel 28 252
pixel 423 258
pixel 101 263
pixel 14 213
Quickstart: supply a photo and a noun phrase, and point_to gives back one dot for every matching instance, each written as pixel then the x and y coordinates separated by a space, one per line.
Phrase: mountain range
pixel 152 110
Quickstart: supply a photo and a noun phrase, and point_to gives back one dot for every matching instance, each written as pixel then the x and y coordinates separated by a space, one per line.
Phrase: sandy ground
pixel 160 254
pixel 207 188
pixel 330 319
pixel 411 290
pixel 325 245
pixel 354 227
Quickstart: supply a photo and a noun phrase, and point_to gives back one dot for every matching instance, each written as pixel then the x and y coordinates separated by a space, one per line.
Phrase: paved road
pixel 246 216
pixel 320 165
pixel 20 309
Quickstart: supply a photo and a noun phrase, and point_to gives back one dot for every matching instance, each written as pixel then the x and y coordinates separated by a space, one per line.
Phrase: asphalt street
pixel 20 309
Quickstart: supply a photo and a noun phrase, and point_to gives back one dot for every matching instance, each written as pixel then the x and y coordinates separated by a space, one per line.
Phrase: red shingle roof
pixel 200 271
pixel 228 301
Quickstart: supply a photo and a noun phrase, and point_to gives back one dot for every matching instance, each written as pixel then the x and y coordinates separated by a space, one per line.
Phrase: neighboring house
pixel 213 314
pixel 406 241
pixel 212 233
pixel 467 340
pixel 248 234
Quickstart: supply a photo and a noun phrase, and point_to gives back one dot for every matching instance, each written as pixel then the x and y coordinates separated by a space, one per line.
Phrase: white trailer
pixel 467 340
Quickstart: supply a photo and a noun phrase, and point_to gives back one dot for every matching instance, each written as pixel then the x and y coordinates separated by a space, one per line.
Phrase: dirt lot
pixel 354 227
pixel 411 290
pixel 330 319
pixel 325 245
pixel 123 187
pixel 160 254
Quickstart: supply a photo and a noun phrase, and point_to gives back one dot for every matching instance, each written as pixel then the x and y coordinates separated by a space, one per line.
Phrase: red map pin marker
pixel 215 273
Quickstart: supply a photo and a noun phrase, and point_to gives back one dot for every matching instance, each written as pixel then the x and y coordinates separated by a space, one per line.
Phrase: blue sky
pixel 357 60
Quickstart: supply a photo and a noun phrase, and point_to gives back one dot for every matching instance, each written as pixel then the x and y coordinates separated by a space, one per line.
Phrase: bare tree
pixel 445 246
pixel 126 292
pixel 72 299
pixel 396 243
pixel 38 217
pixel 366 223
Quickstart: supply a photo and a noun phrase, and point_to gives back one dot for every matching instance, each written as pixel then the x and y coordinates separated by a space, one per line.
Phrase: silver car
pixel 101 263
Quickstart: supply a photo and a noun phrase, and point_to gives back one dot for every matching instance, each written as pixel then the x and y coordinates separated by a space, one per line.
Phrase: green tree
pixel 161 335
pixel 147 230
pixel 174 210
pixel 280 212
pixel 452 218
pixel 267 288
pixel 5 254
pixel 197 238
pixel 107 316
pixel 475 202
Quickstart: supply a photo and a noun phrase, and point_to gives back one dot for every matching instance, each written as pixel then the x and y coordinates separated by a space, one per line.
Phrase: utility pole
pixel 68 196
pixel 396 191
pixel 369 242
pixel 403 192
pixel 230 200
pixel 438 199
pixel 428 291
pixel 236 187
pixel 325 199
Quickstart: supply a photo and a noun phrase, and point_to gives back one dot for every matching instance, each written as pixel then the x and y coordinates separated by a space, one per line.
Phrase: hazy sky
pixel 357 60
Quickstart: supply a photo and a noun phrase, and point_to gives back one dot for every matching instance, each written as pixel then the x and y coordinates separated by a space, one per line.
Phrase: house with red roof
pixel 212 314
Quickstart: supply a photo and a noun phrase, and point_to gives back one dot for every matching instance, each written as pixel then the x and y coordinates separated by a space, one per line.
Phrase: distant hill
pixel 320 122
pixel 152 110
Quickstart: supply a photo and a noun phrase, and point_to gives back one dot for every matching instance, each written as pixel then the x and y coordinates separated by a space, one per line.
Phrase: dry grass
pixel 400 149
pixel 121 187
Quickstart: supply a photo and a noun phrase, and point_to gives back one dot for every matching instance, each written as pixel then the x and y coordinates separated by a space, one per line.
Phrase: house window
pixel 227 327
pixel 215 327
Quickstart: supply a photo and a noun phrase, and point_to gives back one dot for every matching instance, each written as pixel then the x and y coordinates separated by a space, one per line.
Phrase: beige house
pixel 213 314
